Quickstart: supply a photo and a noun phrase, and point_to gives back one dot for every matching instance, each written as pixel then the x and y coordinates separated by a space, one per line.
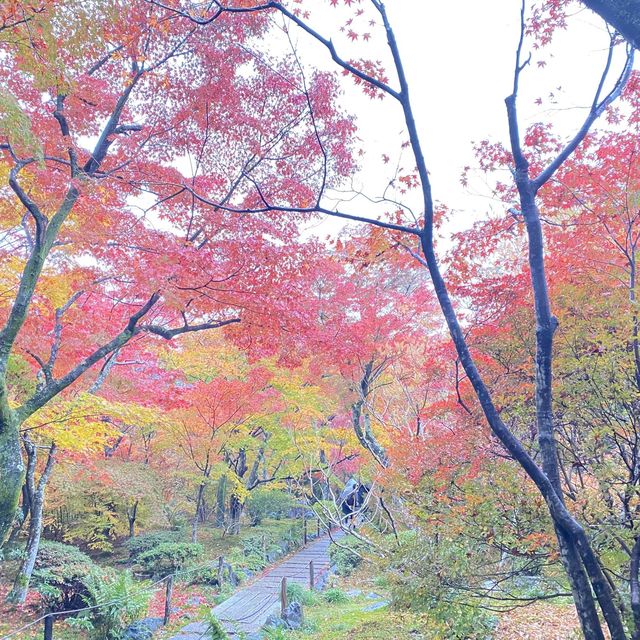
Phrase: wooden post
pixel 283 596
pixel 318 527
pixel 304 530
pixel 312 579
pixel 167 601
pixel 48 628
pixel 220 571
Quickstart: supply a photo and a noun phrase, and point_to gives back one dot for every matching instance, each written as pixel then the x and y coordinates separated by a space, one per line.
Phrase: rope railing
pixel 152 588
pixel 50 616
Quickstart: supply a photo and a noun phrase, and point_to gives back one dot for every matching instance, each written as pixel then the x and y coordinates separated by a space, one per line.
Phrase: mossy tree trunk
pixel 197 512
pixel 221 495
pixel 236 507
pixel 132 515
pixel 18 593
pixel 11 476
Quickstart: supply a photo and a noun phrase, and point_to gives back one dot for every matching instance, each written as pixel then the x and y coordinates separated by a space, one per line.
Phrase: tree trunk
pixel 624 15
pixel 204 510
pixel 18 593
pixel 25 509
pixel 634 569
pixel 196 514
pixel 12 473
pixel 132 514
pixel 235 512
pixel 220 501
pixel 236 506
pixel 546 325
pixel 360 417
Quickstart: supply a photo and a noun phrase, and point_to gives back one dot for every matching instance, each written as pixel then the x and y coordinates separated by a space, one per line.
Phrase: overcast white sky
pixel 459 58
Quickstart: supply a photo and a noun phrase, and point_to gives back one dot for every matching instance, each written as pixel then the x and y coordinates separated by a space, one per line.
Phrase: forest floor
pixel 363 615
pixel 540 621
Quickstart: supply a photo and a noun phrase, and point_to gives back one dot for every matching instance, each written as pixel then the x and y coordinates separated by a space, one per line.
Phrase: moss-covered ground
pixel 354 616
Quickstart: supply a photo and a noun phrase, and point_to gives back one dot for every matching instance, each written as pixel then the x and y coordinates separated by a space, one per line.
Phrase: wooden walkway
pixel 247 610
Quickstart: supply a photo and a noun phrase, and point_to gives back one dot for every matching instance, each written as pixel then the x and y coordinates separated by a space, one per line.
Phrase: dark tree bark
pixel 12 471
pixel 25 508
pixel 221 495
pixel 132 514
pixel 196 514
pixel 634 569
pixel 623 15
pixel 236 507
pixel 360 417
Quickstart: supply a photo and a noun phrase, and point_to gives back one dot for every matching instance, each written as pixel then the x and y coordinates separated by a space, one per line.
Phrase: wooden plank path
pixel 247 610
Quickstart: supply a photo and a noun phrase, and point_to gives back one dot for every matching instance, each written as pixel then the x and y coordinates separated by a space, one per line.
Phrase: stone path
pixel 246 610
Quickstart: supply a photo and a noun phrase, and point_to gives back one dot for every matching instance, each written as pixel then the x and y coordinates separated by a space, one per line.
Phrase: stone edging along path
pixel 244 613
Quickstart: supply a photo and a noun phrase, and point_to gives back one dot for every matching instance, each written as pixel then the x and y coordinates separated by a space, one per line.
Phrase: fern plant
pixel 119 600
pixel 215 630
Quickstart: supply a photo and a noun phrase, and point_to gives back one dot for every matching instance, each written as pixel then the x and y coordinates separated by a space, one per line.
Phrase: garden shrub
pixel 457 620
pixel 434 577
pixel 343 558
pixel 148 541
pixel 274 542
pixel 276 633
pixel 56 554
pixel 226 591
pixel 168 557
pixel 268 503
pixel 297 593
pixel 335 596
pixel 253 544
pixel 243 563
pixel 255 561
pixel 60 574
pixel 204 575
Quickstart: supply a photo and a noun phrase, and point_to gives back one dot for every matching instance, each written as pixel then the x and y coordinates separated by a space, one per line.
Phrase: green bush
pixel 268 503
pixel 281 539
pixel 254 544
pixel 60 574
pixel 335 596
pixel 276 633
pixel 434 576
pixel 57 554
pixel 148 541
pixel 11 552
pixel 344 559
pixel 204 575
pixel 120 600
pixel 255 561
pixel 457 620
pixel 297 593
pixel 168 557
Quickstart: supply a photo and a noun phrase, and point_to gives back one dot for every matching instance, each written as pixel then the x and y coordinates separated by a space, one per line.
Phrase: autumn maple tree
pixel 102 244
pixel 162 161
pixel 532 173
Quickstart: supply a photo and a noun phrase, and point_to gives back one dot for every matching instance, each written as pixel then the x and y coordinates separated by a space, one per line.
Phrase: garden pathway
pixel 244 613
